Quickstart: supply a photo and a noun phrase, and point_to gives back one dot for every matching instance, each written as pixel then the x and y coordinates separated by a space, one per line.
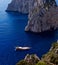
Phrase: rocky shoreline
pixel 43 14
pixel 50 58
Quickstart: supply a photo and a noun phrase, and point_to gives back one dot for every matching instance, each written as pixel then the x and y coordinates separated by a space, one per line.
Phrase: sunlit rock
pixel 43 18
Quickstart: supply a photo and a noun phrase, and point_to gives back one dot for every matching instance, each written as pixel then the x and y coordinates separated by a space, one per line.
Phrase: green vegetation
pixel 22 62
pixel 34 60
pixel 52 57
pixel 41 63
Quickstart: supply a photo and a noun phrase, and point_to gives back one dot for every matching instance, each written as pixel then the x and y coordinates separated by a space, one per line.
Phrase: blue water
pixel 12 34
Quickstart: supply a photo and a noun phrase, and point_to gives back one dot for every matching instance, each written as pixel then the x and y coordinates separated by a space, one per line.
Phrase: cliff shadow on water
pixel 48 33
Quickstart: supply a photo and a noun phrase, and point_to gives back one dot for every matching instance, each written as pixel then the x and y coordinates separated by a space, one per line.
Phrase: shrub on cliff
pixel 54 59
pixel 23 62
pixel 52 55
pixel 41 63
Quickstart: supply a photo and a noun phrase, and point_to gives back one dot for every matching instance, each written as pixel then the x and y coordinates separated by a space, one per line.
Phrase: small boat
pixel 22 48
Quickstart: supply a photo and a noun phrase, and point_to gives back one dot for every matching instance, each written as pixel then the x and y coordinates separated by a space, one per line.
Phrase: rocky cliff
pixel 43 14
pixel 23 6
pixel 50 58
pixel 52 55
pixel 29 60
pixel 43 18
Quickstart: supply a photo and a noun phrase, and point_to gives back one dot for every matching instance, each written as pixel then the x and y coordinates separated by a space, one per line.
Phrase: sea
pixel 12 34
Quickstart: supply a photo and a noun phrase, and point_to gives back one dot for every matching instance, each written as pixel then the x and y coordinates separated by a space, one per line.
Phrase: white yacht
pixel 22 48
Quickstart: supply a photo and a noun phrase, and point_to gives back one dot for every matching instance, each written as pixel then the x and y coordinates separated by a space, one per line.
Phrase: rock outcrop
pixel 43 14
pixel 52 55
pixel 32 58
pixel 43 18
pixel 50 58
pixel 29 60
pixel 23 6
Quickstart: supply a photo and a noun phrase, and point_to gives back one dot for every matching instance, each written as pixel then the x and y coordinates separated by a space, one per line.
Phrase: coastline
pixel 46 59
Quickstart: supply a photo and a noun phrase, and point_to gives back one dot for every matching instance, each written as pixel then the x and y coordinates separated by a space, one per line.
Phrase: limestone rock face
pixel 32 58
pixel 43 20
pixel 43 17
pixel 22 6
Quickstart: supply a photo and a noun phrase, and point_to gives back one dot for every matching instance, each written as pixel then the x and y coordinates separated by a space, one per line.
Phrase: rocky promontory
pixel 23 6
pixel 43 18
pixel 50 58
pixel 43 14
pixel 29 60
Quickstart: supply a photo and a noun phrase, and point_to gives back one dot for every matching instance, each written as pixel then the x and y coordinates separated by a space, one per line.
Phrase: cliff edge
pixel 43 18
pixel 23 6
pixel 50 58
